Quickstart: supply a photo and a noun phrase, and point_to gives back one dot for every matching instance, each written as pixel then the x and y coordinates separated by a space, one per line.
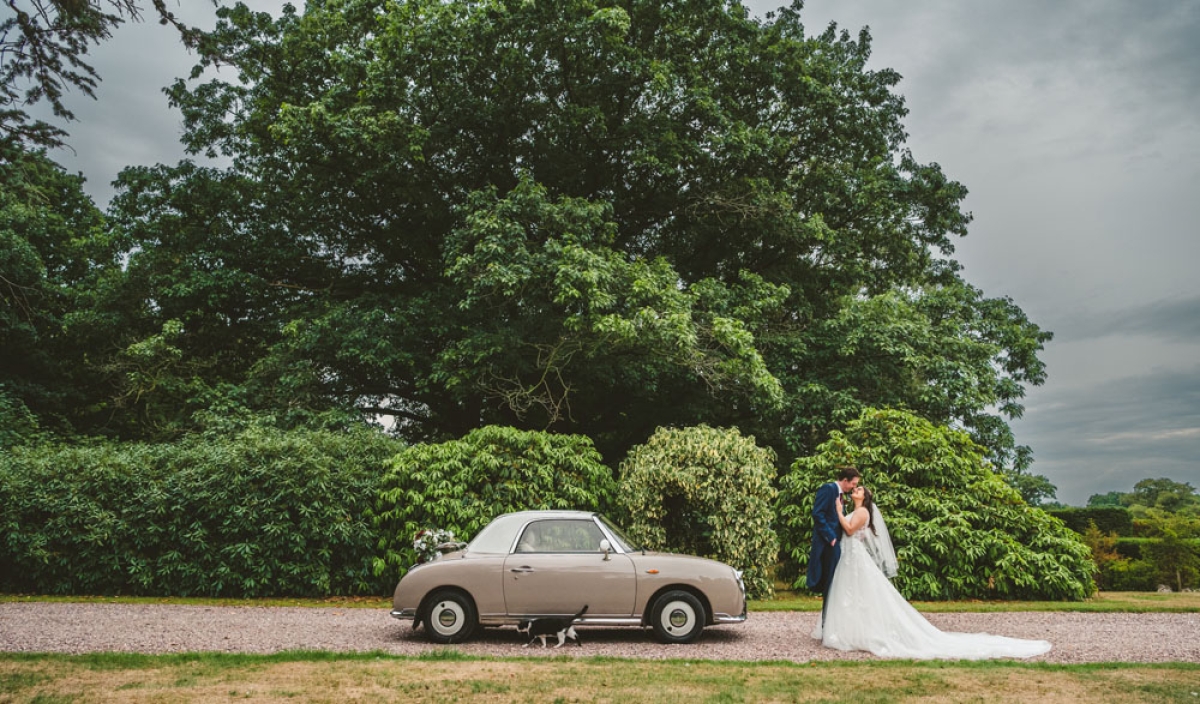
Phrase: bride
pixel 865 611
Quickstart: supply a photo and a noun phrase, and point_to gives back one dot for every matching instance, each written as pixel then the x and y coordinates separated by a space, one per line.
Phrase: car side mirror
pixel 606 547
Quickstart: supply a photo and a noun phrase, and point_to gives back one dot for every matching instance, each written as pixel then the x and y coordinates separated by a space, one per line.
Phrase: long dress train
pixel 865 612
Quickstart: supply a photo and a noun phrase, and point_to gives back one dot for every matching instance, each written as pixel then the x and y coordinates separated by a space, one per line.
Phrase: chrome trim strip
pixel 590 621
pixel 601 621
pixel 586 621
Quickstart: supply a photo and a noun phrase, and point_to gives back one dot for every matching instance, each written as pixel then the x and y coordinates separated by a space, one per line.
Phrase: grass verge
pixel 447 675
pixel 1103 602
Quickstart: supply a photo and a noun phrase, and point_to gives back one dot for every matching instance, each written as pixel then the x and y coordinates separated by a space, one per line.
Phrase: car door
pixel 558 568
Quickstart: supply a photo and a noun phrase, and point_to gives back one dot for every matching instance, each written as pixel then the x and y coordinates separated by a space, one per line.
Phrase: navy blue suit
pixel 823 559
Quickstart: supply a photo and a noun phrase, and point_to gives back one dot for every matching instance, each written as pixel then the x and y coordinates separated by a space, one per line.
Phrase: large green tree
pixel 59 267
pixel 62 323
pixel 594 216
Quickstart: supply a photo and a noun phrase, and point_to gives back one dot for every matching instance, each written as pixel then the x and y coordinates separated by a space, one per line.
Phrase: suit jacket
pixel 826 529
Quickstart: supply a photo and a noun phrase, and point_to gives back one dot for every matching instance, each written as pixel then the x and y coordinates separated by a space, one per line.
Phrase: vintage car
pixel 551 564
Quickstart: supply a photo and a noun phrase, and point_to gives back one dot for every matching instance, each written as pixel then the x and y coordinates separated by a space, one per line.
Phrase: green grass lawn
pixel 1103 602
pixel 447 676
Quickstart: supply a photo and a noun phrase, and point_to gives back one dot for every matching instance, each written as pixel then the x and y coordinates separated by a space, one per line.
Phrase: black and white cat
pixel 561 626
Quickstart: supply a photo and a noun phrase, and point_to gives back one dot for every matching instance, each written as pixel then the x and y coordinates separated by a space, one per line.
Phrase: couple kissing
pixel 852 563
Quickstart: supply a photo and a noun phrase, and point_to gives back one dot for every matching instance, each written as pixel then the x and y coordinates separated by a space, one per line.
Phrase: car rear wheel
pixel 450 617
pixel 677 617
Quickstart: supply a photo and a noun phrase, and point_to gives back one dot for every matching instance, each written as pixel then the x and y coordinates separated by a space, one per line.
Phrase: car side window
pixel 560 536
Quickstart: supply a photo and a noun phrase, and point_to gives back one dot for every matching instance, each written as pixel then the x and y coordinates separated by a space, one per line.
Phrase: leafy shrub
pixel 960 531
pixel 260 513
pixel 463 484
pixel 707 492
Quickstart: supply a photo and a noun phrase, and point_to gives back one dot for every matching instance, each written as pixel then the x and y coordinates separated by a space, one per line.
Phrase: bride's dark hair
pixel 868 503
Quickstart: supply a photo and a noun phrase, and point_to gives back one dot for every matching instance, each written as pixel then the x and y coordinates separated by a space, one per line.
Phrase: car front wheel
pixel 677 617
pixel 450 617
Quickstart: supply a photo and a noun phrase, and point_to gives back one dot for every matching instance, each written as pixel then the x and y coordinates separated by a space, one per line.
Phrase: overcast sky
pixel 1075 125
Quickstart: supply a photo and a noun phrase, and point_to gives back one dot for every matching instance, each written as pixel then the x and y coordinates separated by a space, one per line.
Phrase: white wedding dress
pixel 865 612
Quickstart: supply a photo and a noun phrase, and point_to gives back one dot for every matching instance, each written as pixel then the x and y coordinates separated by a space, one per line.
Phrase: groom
pixel 823 559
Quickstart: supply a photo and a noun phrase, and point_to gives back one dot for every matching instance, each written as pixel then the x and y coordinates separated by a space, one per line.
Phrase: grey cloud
pixel 1175 320
pixel 1160 405
pixel 1132 69
pixel 1109 436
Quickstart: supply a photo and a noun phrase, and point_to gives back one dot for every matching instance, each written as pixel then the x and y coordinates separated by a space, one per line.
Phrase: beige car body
pixel 583 560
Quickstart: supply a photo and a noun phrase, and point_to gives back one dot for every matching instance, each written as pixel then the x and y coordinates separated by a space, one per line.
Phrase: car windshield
pixel 623 541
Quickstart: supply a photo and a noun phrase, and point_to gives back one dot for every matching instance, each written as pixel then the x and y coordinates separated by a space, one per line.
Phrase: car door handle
pixel 521 569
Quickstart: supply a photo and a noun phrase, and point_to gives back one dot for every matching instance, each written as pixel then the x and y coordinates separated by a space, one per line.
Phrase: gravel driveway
pixel 147 628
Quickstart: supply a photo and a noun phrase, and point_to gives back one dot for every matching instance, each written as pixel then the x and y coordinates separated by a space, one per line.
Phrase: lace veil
pixel 879 544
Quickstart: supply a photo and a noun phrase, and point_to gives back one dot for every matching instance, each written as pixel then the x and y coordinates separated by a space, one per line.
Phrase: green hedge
pixel 262 513
pixel 1131 548
pixel 1135 548
pixel 1132 576
pixel 1109 519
